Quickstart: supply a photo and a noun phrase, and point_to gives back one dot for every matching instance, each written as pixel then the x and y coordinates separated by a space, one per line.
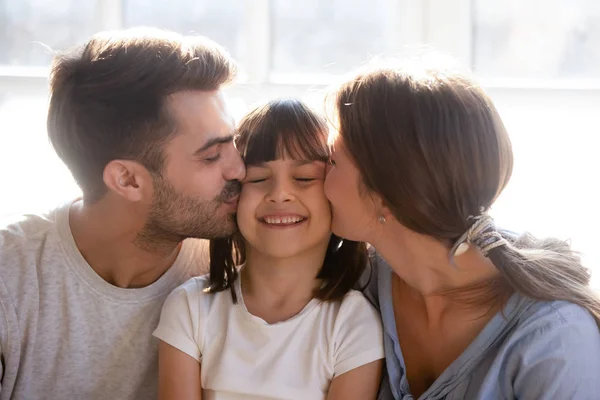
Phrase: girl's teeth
pixel 284 220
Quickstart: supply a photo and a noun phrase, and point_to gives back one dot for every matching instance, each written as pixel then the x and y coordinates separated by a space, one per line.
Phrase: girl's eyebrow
pixel 297 163
pixel 305 162
pixel 257 165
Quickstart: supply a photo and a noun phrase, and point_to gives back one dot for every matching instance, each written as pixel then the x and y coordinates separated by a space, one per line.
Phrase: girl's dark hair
pixel 286 127
pixel 432 144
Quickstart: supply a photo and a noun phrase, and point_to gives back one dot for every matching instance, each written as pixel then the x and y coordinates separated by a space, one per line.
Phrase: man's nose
pixel 235 168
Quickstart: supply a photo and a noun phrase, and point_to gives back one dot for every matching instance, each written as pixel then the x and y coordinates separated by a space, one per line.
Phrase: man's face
pixel 196 194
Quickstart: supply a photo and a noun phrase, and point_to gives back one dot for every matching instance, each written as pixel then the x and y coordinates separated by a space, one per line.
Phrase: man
pixel 140 120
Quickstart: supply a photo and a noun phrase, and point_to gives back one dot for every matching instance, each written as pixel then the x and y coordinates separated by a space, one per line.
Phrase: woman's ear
pixel 382 211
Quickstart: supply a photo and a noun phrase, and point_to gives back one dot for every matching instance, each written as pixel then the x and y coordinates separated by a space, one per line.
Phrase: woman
pixel 469 311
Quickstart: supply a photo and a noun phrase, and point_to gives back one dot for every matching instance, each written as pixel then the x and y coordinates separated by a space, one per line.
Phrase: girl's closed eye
pixel 309 171
pixel 256 175
pixel 304 179
pixel 255 179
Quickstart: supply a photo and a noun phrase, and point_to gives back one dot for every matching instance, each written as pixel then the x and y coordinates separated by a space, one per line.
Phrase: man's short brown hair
pixel 108 97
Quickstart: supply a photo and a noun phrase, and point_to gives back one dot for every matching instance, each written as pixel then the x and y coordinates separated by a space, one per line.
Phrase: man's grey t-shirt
pixel 65 333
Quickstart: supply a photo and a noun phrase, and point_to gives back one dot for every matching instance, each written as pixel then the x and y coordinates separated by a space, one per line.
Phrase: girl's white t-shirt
pixel 244 357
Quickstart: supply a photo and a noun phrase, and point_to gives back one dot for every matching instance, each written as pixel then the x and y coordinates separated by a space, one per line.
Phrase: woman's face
pixel 354 214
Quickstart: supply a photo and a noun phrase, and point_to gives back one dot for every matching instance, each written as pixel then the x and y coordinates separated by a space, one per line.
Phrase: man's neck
pixel 107 237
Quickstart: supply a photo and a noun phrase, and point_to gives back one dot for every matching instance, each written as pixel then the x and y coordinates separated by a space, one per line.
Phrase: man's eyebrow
pixel 213 142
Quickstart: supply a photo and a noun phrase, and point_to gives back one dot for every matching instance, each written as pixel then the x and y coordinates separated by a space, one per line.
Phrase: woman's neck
pixel 276 289
pixel 424 265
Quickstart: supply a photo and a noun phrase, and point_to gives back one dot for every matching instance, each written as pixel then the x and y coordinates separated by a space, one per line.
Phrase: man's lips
pixel 232 203
pixel 232 200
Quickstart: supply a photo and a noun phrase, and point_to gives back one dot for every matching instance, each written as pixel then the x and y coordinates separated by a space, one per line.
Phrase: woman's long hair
pixel 432 145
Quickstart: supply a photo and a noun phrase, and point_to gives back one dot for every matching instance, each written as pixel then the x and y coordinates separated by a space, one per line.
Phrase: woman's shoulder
pixel 555 330
pixel 564 317
pixel 554 350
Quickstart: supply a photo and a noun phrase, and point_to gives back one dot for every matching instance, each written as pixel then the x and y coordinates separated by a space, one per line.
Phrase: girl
pixel 276 318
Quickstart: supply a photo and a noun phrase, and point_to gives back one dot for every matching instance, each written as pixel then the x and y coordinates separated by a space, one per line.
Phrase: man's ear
pixel 129 179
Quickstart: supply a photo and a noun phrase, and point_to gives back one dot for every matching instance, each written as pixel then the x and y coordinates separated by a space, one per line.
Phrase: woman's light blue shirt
pixel 531 350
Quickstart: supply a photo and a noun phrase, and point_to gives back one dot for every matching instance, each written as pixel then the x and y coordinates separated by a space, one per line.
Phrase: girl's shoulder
pixel 193 296
pixel 357 334
pixel 187 310
pixel 355 311
pixel 195 287
pixel 355 299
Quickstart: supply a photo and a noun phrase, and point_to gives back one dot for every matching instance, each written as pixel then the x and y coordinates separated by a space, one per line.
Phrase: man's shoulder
pixel 23 227
pixel 25 231
pixel 24 239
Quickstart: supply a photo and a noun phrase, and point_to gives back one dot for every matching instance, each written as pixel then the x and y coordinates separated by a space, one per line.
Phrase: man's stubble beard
pixel 174 217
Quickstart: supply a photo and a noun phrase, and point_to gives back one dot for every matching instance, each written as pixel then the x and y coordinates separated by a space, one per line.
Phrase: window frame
pixel 445 25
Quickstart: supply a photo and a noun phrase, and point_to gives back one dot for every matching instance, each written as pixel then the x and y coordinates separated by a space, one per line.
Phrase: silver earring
pixel 382 219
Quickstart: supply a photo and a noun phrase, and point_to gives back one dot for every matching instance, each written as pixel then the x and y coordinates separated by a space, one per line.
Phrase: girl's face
pixel 283 211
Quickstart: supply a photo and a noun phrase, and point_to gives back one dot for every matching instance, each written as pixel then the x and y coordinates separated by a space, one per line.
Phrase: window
pixel 31 29
pixel 540 39
pixel 326 37
pixel 220 20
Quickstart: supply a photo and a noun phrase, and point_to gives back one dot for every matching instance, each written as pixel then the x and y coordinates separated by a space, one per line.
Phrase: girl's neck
pixel 276 289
